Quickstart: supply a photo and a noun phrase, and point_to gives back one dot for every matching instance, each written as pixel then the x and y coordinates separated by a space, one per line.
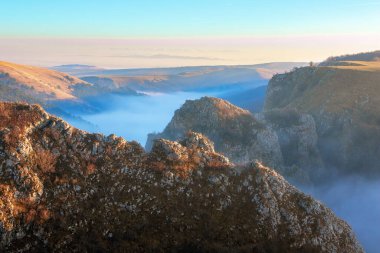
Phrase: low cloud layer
pixel 357 201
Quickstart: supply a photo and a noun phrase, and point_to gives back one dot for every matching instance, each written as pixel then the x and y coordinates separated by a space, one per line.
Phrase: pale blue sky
pixel 147 18
pixel 116 33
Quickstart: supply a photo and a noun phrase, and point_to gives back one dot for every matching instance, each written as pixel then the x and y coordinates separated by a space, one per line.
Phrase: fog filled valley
pixel 356 199
pixel 218 126
pixel 310 123
pixel 132 117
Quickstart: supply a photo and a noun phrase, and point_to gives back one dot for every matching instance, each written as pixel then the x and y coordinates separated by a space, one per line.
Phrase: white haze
pixel 134 117
pixel 357 201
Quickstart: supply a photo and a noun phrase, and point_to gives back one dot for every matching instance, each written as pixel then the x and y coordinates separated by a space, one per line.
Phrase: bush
pixel 45 160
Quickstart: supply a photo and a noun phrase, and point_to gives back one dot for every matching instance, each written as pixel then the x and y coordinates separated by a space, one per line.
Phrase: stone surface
pixel 65 190
pixel 235 132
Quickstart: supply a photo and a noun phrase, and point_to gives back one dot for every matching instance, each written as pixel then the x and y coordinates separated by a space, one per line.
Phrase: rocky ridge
pixel 344 102
pixel 283 139
pixel 63 189
pixel 236 132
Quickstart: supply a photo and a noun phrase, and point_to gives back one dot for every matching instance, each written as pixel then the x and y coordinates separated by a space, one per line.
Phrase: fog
pixel 357 201
pixel 133 117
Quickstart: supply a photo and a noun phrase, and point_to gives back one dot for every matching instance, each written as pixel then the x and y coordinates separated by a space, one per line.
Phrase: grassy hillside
pixel 38 83
pixel 344 100
pixel 333 89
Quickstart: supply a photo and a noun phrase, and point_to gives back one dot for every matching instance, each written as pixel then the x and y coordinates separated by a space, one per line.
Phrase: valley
pixel 286 116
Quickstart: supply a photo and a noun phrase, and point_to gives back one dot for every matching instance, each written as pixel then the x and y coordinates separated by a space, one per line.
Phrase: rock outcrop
pixel 298 139
pixel 62 189
pixel 236 133
pixel 344 102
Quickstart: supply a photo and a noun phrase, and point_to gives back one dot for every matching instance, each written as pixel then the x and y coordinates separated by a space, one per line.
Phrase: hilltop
pixel 48 87
pixel 76 69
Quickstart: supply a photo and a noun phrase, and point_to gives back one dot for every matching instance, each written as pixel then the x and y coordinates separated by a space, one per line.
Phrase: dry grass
pixel 50 82
pixel 335 89
pixel 372 66
pixel 45 160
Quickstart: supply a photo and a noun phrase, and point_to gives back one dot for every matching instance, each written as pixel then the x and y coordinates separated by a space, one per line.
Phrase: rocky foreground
pixel 64 190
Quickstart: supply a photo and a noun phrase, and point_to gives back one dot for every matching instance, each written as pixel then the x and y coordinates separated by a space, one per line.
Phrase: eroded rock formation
pixel 236 132
pixel 64 190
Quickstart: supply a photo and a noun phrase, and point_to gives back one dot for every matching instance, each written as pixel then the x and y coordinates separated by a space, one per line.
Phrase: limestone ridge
pixel 285 140
pixel 62 189
pixel 236 132
pixel 343 100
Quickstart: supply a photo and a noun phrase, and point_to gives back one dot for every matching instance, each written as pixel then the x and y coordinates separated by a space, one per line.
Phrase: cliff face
pixel 235 132
pixel 298 139
pixel 62 189
pixel 344 103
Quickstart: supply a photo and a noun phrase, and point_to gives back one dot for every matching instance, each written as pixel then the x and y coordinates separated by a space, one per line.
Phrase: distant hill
pixel 77 69
pixel 88 70
pixel 198 79
pixel 40 85
pixel 22 82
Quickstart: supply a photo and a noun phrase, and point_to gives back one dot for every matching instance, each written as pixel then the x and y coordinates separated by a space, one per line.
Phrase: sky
pixel 163 33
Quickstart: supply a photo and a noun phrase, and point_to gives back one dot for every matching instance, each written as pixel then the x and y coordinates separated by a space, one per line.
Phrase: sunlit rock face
pixel 64 190
pixel 236 132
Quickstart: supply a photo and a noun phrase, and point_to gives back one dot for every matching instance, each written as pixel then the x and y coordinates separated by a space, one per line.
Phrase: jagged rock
pixel 194 151
pixel 59 195
pixel 235 132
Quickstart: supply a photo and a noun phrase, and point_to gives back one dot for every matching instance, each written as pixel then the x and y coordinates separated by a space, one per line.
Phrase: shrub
pixel 45 160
